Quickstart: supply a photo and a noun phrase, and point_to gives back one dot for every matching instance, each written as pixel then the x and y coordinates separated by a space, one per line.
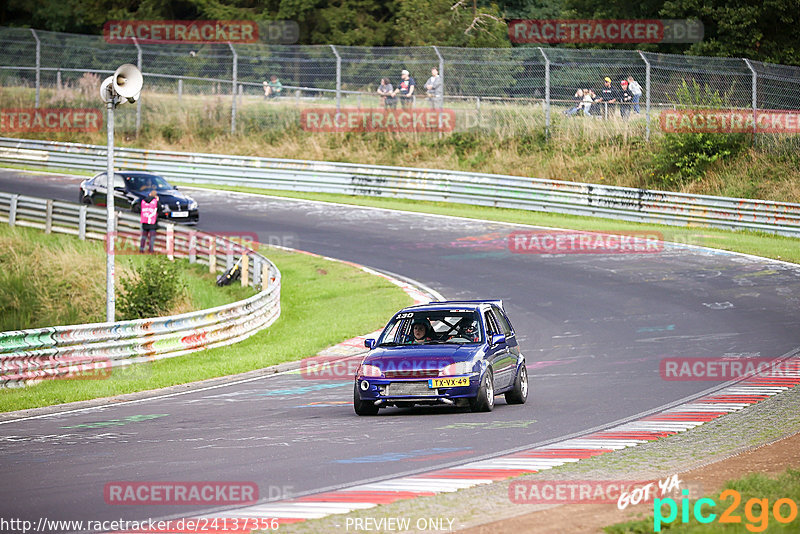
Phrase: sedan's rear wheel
pixel 519 393
pixel 362 407
pixel 484 400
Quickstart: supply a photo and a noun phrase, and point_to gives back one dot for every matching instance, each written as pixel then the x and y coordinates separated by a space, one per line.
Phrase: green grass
pixel 510 140
pixel 313 294
pixel 57 279
pixel 752 486
pixel 757 243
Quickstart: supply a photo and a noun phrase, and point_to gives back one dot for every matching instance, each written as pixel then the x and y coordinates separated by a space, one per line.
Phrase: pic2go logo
pixel 756 511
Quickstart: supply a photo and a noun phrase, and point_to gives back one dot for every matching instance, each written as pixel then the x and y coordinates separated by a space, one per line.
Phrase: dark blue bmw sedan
pixel 459 353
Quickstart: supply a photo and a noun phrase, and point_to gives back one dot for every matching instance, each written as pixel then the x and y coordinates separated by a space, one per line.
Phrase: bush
pixel 152 290
pixel 681 158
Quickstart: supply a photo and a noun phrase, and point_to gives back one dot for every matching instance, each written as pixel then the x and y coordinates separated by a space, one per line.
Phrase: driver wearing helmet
pixel 469 330
pixel 420 331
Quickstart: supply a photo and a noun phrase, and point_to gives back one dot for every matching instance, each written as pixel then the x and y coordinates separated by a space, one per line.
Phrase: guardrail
pixel 29 356
pixel 573 198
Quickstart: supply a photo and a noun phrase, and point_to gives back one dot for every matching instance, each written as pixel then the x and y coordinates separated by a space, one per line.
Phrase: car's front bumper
pixel 400 391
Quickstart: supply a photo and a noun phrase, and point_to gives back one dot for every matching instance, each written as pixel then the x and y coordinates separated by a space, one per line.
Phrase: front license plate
pixel 448 382
pixel 179 214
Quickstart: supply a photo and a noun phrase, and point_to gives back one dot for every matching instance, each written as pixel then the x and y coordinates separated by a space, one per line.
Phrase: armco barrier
pixel 623 203
pixel 28 356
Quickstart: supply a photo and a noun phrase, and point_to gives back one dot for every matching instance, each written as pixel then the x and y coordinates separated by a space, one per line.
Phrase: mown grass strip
pixel 314 293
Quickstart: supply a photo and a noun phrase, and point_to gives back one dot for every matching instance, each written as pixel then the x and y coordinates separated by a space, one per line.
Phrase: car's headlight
pixel 370 370
pixel 192 204
pixel 458 368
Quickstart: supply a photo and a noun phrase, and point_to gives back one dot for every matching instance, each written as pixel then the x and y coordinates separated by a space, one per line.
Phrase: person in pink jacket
pixel 149 220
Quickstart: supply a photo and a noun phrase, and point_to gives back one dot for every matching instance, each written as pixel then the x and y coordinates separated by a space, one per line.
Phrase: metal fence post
pixel 180 89
pixel 170 244
pixel 265 278
pixel 138 100
pixel 58 79
pixel 82 222
pixel 12 211
pixel 233 88
pixel 38 65
pixel 256 271
pixel 212 255
pixel 48 217
pixel 338 78
pixel 546 94
pixel 245 268
pixel 647 92
pixel 755 95
pixel 441 65
pixel 192 246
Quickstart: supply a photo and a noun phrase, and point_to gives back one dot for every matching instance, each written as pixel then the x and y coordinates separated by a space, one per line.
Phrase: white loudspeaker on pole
pixel 124 84
pixel 127 82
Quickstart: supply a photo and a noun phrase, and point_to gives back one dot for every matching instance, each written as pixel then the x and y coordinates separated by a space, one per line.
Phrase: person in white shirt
pixel 636 91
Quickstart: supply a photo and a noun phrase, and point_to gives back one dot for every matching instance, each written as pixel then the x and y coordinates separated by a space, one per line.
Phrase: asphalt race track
pixel 593 328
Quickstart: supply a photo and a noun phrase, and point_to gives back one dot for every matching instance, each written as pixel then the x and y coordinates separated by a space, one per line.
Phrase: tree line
pixel 764 31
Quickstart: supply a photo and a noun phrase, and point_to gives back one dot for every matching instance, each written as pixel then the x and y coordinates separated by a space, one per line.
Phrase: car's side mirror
pixel 498 339
pixel 370 343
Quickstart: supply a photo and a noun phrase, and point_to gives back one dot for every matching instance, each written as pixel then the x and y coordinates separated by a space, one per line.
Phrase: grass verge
pixel 758 243
pixel 754 512
pixel 57 279
pixel 314 292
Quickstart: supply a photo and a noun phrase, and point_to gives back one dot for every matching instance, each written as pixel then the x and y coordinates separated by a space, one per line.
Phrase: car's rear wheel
pixel 484 400
pixel 363 407
pixel 519 393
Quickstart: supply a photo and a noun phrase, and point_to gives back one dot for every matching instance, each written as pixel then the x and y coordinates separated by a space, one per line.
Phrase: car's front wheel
pixel 519 393
pixel 362 407
pixel 484 400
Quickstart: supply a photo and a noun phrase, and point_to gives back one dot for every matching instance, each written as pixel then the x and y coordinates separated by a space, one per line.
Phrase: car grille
pixel 415 373
pixel 396 389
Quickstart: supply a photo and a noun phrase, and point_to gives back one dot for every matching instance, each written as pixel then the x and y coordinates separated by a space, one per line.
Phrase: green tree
pixel 766 30
pixel 450 23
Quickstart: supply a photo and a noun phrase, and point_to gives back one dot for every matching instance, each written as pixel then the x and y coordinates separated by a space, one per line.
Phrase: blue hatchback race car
pixel 459 353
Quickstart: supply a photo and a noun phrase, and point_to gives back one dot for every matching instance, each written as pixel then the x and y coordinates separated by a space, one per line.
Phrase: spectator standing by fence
pixel 435 89
pixel 385 91
pixel 625 99
pixel 606 97
pixel 406 89
pixel 636 91
pixel 149 220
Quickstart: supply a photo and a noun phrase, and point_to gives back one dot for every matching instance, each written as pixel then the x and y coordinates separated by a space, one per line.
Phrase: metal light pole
pixel 124 85
pixel 110 215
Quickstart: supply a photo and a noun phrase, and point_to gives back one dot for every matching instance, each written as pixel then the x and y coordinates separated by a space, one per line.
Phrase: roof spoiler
pixel 496 302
